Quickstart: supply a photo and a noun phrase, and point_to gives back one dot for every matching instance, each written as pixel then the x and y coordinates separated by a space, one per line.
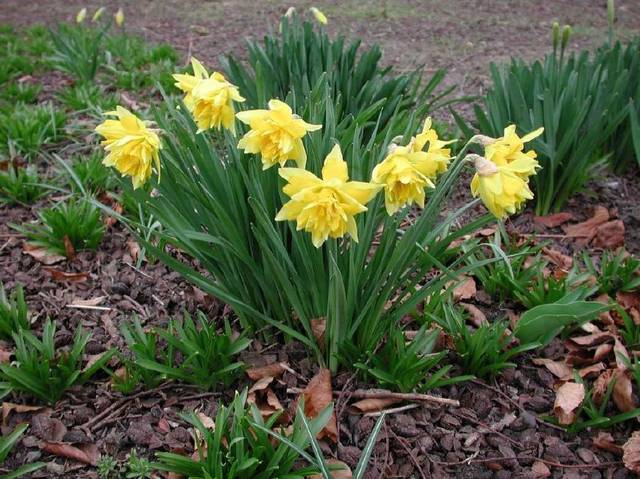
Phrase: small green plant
pixel 75 223
pixel 90 176
pixel 108 467
pixel 88 97
pixel 6 445
pixel 45 371
pixel 13 312
pixel 25 129
pixel 411 366
pixel 242 445
pixel 21 185
pixel 617 271
pixel 22 92
pixel 138 467
pixel 144 346
pixel 483 351
pixel 196 353
pixel 78 50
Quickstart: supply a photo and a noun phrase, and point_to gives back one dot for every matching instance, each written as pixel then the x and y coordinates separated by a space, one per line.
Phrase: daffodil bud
pixel 483 166
pixel 555 35
pixel 119 16
pixel 97 15
pixel 290 12
pixel 482 140
pixel 82 14
pixel 320 17
pixel 566 34
pixel 611 12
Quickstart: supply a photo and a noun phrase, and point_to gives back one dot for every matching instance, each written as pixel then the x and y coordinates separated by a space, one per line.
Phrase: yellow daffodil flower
pixel 501 188
pixel 82 14
pixel 408 170
pixel 325 207
pixel 97 15
pixel 276 134
pixel 132 147
pixel 119 16
pixel 209 97
pixel 510 148
pixel 319 16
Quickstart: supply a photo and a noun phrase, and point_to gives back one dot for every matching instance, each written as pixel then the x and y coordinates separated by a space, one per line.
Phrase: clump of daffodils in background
pixel 132 147
pixel 325 207
pixel 210 98
pixel 408 170
pixel 276 134
pixel 502 174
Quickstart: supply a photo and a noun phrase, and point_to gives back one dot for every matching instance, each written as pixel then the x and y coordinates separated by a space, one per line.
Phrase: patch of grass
pixel 45 371
pixel 74 224
pixel 617 271
pixel 13 312
pixel 78 50
pixel 90 175
pixel 484 350
pixel 88 97
pixel 26 129
pixel 20 92
pixel 6 445
pixel 21 185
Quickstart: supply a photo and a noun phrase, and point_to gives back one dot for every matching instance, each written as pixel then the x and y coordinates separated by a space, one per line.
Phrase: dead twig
pixel 471 460
pixel 384 394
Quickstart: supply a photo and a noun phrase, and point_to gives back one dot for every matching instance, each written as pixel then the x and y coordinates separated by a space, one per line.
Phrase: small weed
pixel 13 312
pixel 6 445
pixel 138 467
pixel 45 371
pixel 22 92
pixel 108 467
pixel 88 97
pixel 24 129
pixel 616 272
pixel 75 224
pixel 78 50
pixel 21 185
pixel 90 175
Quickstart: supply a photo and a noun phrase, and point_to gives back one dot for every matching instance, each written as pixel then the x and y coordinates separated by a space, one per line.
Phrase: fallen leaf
pixel 631 453
pixel 569 396
pixel 42 255
pixel 85 453
pixel 621 354
pixel 554 220
pixel 604 441
pixel 264 398
pixel 602 351
pixel 372 405
pixel 8 407
pixel 338 470
pixel 318 327
pixel 559 259
pixel 610 235
pixel 70 251
pixel 559 369
pixel 466 289
pixel 67 276
pixel 272 370
pixel 317 396
pixel 600 386
pixel 587 229
pixel 88 302
pixel 591 339
pixel 206 420
pixel 109 221
pixel 540 470
pixel 591 370
pixel 6 351
pixel 623 392
pixel 476 316
pixel 628 300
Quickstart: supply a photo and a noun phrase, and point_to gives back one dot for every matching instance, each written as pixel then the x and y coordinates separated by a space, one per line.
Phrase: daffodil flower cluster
pixel 325 207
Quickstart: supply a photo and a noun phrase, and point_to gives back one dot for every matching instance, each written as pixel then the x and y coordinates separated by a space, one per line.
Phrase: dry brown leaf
pixel 569 396
pixel 206 421
pixel 587 229
pixel 591 339
pixel 8 407
pixel 621 354
pixel 604 441
pixel 70 251
pixel 6 351
pixel 628 300
pixel 559 259
pixel 264 398
pixel 602 351
pixel 591 370
pixel 318 326
pixel 623 392
pixel 317 396
pixel 85 453
pixel 559 369
pixel 540 470
pixel 373 405
pixel 42 255
pixel 554 220
pixel 466 289
pixel 600 386
pixel 610 235
pixel 272 370
pixel 109 221
pixel 342 471
pixel 58 275
pixel 631 453
pixel 476 316
pixel 89 302
pixel 134 249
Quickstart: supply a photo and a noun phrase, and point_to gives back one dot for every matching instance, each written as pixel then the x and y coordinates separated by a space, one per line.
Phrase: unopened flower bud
pixel 566 34
pixel 555 35
pixel 611 12
pixel 290 12
pixel 482 140
pixel 483 166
